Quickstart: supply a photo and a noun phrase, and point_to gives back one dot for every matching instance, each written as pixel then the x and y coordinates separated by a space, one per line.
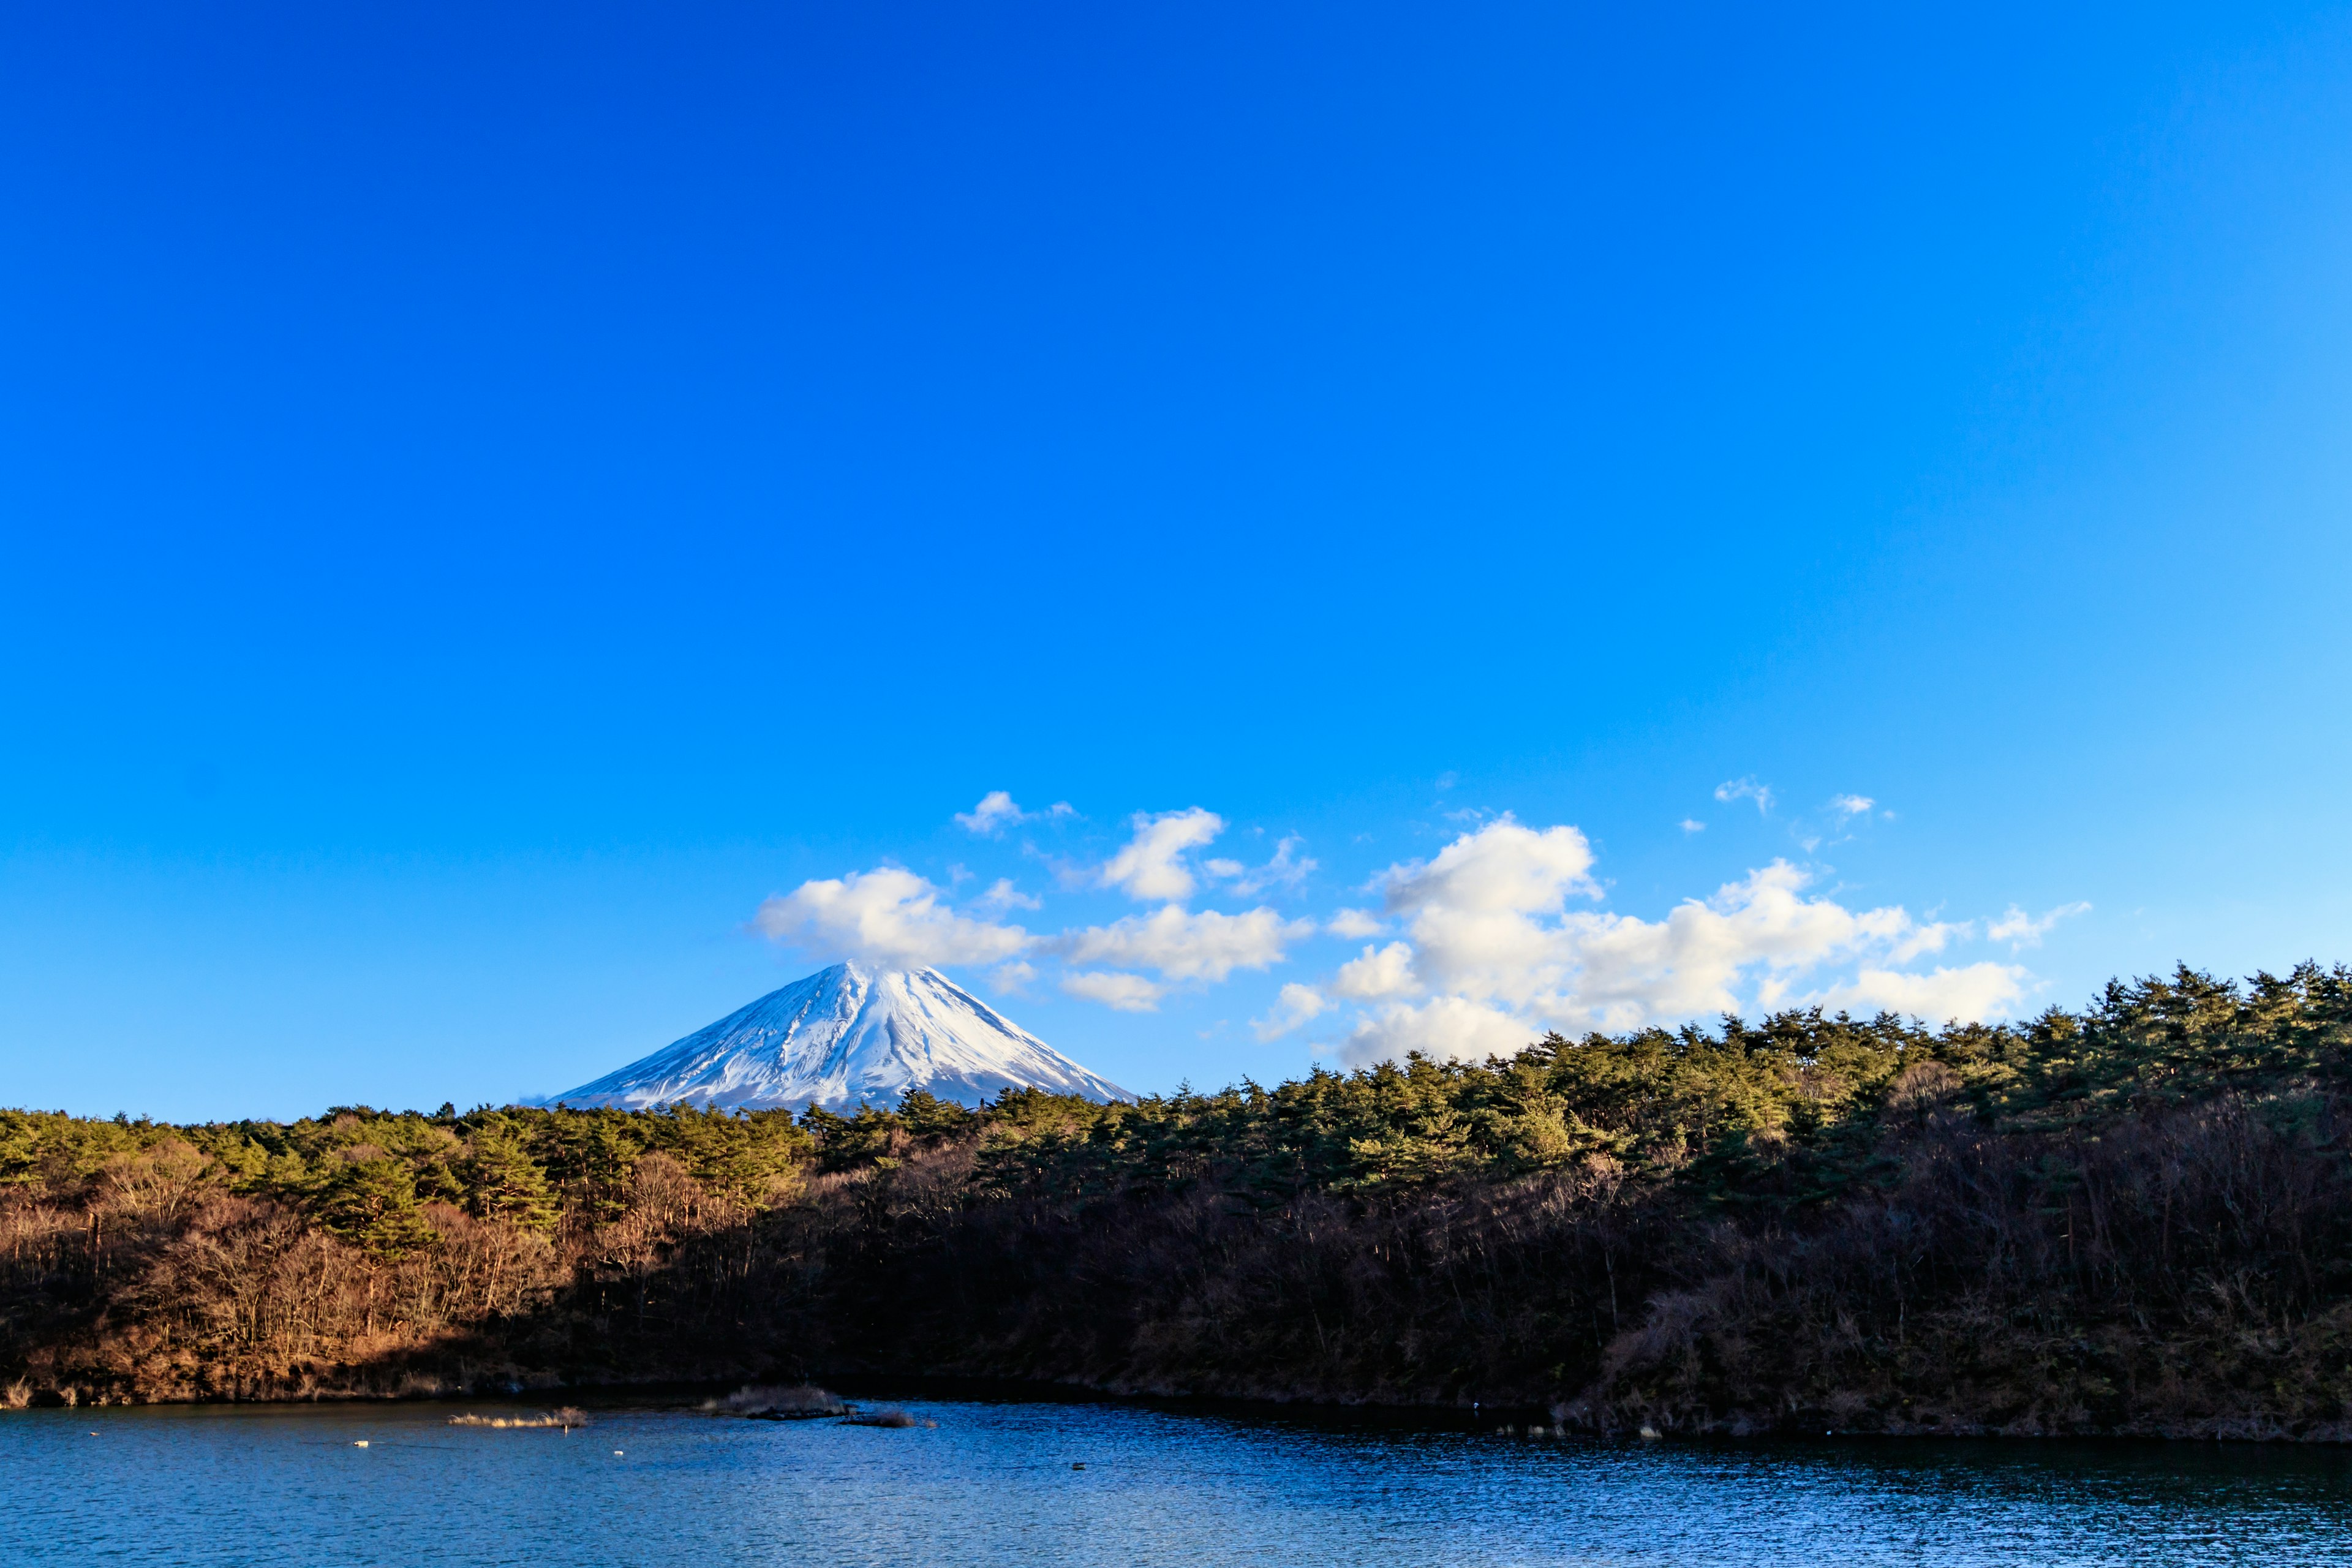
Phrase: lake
pixel 995 1484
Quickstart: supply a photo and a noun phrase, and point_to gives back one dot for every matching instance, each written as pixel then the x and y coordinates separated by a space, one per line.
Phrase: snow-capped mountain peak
pixel 842 1036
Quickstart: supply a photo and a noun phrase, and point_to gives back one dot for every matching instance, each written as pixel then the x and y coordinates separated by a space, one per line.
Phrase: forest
pixel 2135 1217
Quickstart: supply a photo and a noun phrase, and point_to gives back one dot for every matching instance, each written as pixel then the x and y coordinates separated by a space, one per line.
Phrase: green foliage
pixel 372 1204
pixel 1786 1112
pixel 49 1145
pixel 499 1179
pixel 844 1143
pixel 1783 1115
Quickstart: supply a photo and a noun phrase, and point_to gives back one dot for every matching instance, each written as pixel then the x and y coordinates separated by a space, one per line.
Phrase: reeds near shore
pixel 892 1418
pixel 567 1417
pixel 801 1402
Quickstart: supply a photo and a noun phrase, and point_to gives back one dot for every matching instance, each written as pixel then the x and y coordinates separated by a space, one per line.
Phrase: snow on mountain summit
pixel 842 1036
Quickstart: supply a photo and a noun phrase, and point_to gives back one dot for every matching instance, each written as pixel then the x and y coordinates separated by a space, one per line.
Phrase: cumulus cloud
pixel 1445 1028
pixel 1502 865
pixel 1474 911
pixel 2020 930
pixel 1495 939
pixel 1185 946
pixel 1288 869
pixel 1002 895
pixel 1974 991
pixel 1692 824
pixel 1499 938
pixel 1123 992
pixel 1385 972
pixel 888 916
pixel 1293 1006
pixel 1151 868
pixel 1631 971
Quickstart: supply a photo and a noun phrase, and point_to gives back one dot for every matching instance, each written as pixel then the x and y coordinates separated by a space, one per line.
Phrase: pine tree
pixel 504 1181
pixel 372 1204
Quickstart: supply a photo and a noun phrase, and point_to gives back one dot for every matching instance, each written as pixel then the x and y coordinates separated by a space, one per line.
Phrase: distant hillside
pixel 2133 1218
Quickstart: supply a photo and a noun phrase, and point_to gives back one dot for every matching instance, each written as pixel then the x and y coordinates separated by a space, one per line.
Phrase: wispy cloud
pixel 1003 896
pixel 2020 930
pixel 1288 869
pixel 1293 1006
pixel 996 812
pixel 1746 788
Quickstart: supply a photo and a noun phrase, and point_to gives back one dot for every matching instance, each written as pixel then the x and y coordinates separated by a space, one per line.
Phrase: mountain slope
pixel 842 1036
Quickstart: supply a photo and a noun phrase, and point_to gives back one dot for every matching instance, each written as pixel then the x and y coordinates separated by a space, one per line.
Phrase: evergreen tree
pixel 372 1204
pixel 504 1181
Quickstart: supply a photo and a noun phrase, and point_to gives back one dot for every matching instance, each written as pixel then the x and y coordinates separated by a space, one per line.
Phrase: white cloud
pixel 1632 971
pixel 1294 1005
pixel 1851 804
pixel 1445 1028
pixel 1183 946
pixel 2020 930
pixel 1746 788
pixel 1122 992
pixel 1070 876
pixel 1352 923
pixel 1287 870
pixel 1002 895
pixel 1149 869
pixel 1692 824
pixel 1385 972
pixel 1472 910
pixel 888 916
pixel 1974 991
pixel 1489 925
pixel 1011 977
pixel 1932 937
pixel 1504 866
pixel 996 812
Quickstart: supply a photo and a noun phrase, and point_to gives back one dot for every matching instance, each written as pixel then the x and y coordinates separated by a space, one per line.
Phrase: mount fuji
pixel 842 1036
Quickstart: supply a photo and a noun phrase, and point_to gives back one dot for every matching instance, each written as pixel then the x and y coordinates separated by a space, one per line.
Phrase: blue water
pixel 995 1484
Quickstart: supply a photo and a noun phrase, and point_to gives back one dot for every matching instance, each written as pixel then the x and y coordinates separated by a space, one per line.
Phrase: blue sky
pixel 492 496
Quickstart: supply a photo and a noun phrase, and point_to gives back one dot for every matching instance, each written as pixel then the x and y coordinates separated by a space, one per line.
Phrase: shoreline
pixel 1524 1421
